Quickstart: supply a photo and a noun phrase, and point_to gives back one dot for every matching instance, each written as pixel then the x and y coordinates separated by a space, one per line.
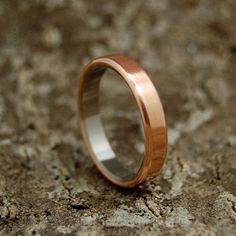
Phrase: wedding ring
pixel 152 116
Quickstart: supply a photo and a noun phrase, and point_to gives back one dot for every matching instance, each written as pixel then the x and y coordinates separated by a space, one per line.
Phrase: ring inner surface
pixel 96 134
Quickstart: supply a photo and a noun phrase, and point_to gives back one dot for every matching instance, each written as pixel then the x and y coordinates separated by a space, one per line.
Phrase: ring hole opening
pixel 121 120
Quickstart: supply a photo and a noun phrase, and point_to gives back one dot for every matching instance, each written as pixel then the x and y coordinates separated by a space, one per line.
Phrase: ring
pixel 152 116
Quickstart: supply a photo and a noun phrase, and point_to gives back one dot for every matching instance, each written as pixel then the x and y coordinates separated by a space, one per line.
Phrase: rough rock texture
pixel 48 185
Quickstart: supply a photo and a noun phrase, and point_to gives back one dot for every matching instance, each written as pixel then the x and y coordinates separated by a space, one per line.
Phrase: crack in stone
pixel 149 208
pixel 217 163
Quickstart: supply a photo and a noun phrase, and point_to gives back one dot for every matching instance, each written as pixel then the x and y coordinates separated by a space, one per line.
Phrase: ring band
pixel 152 115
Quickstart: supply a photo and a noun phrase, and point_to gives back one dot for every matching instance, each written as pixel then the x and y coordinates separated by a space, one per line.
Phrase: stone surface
pixel 48 185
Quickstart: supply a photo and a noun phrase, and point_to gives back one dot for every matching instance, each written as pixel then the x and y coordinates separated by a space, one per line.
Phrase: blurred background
pixel 48 185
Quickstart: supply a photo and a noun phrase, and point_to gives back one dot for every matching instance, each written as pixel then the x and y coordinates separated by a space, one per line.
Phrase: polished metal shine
pixel 152 115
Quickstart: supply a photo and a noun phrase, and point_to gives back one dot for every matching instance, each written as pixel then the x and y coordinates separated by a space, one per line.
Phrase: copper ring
pixel 152 115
